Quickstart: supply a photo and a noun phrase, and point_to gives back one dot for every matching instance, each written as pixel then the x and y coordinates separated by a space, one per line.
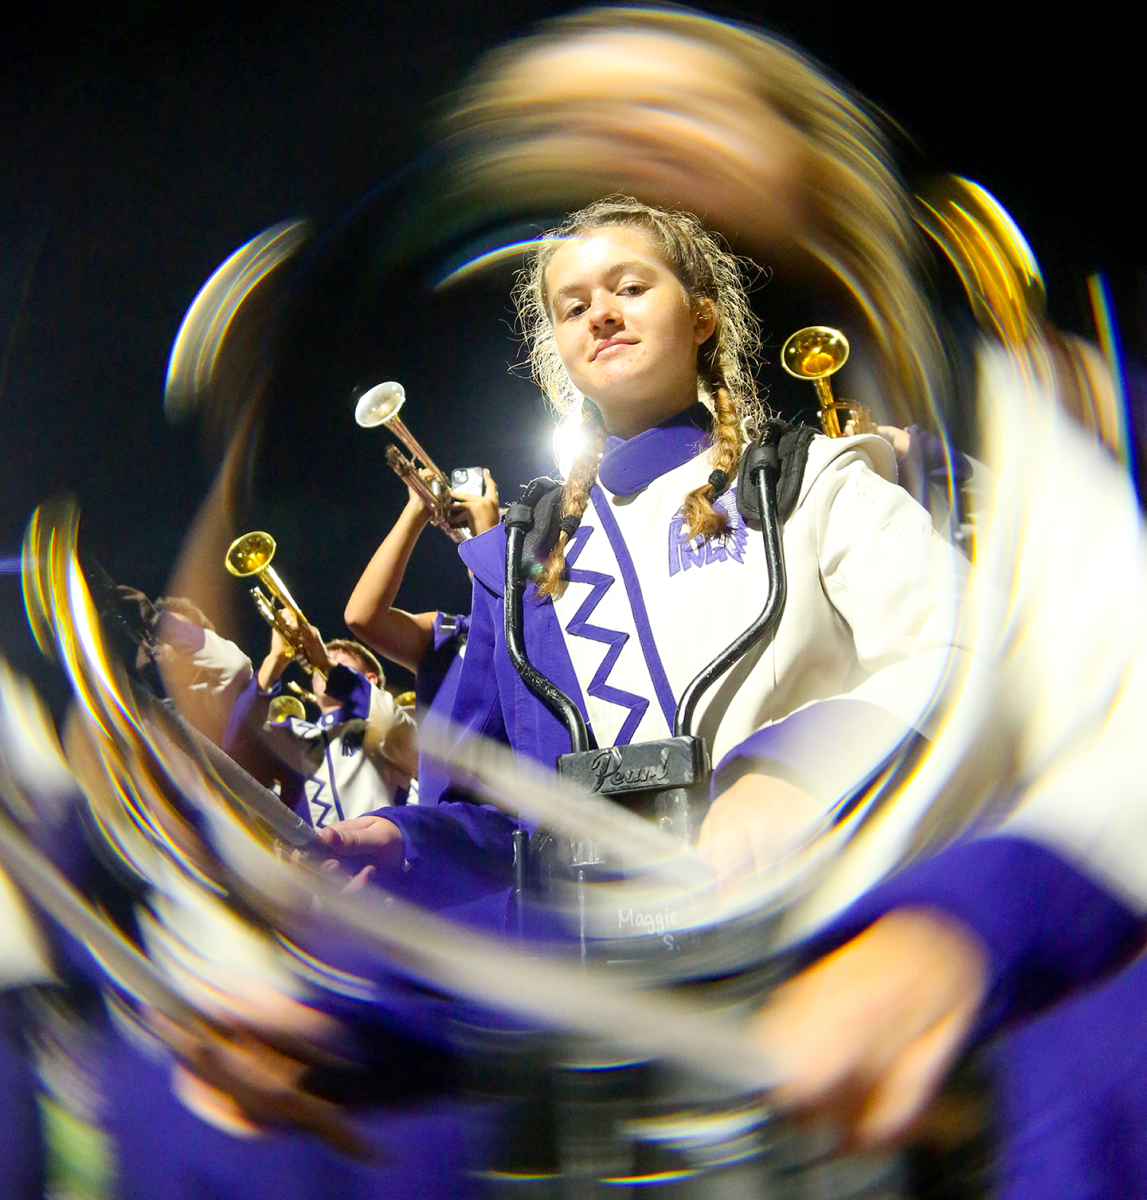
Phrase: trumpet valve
pixel 302 692
pixel 398 462
pixel 263 606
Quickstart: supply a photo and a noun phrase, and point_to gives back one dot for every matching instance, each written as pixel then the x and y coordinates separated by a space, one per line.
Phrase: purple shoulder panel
pixel 485 555
pixel 351 689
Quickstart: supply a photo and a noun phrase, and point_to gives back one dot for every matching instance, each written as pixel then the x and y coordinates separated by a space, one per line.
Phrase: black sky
pixel 141 144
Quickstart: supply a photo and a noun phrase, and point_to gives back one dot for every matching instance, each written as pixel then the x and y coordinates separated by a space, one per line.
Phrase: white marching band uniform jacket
pixel 868 638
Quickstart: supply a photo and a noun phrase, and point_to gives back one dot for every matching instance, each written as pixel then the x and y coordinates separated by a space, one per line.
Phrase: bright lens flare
pixel 569 440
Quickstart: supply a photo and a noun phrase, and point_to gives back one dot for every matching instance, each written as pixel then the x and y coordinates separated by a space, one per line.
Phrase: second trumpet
pixel 420 473
pixel 251 554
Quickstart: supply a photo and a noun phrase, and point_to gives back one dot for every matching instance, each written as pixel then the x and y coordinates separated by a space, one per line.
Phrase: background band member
pixel 428 644
pixel 358 756
pixel 413 640
pixel 204 674
pixel 177 653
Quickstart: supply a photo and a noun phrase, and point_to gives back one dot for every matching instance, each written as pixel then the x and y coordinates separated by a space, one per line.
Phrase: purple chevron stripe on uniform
pixel 324 807
pixel 660 680
pixel 579 626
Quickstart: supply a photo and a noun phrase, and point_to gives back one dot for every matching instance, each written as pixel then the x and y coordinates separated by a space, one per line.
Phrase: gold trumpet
pixel 815 353
pixel 283 708
pixel 380 406
pixel 251 554
pixel 302 692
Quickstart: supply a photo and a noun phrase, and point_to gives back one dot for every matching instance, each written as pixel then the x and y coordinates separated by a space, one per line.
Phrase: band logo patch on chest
pixel 697 552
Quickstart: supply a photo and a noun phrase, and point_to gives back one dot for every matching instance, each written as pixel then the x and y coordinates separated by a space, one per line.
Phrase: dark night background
pixel 141 144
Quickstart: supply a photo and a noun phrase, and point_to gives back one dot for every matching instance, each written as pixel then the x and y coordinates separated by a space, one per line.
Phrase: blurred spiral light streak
pixel 1103 312
pixel 196 348
pixel 996 265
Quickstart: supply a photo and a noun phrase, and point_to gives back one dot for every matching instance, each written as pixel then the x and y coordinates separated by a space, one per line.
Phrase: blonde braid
pixel 575 496
pixel 700 517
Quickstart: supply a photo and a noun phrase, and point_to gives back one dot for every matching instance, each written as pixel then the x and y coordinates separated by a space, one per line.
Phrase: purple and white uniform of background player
pixel 353 760
pixel 435 686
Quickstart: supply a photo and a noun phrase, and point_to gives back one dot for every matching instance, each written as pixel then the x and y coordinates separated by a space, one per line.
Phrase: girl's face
pixel 625 327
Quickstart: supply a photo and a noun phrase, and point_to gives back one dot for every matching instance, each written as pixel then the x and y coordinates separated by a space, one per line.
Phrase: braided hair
pixel 709 273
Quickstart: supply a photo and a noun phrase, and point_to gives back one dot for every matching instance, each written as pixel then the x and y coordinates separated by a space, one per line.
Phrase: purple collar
pixel 628 466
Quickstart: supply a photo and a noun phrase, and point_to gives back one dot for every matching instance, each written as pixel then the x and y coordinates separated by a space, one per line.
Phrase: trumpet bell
pixel 380 404
pixel 283 708
pixel 249 554
pixel 814 352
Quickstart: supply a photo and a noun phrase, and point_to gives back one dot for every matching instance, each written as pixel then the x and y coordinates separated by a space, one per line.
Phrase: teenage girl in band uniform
pixel 640 315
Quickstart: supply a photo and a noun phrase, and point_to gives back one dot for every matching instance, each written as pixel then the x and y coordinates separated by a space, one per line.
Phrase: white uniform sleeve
pixel 391 733
pixel 226 669
pixel 897 583
pixel 1044 739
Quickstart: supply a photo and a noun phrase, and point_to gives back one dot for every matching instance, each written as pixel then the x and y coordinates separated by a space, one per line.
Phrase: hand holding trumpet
pixel 250 555
pixel 464 511
pixel 422 476
pixel 283 653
